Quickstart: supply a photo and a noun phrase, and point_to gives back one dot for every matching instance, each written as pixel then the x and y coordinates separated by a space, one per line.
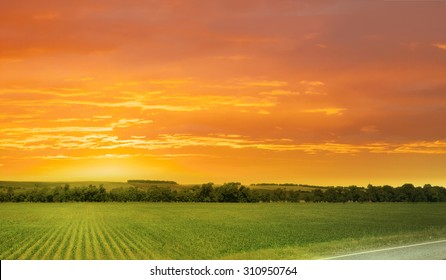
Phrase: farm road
pixel 435 250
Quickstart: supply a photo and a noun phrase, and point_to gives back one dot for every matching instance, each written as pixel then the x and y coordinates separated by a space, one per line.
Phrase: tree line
pixel 229 192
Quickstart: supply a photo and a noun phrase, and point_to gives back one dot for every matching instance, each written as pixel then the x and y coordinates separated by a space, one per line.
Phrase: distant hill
pixel 144 184
pixel 73 184
pixel 160 182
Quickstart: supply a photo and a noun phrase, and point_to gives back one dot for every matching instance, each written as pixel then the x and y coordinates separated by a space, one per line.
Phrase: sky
pixel 339 92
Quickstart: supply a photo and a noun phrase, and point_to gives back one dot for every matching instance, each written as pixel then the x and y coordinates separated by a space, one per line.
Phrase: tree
pixel 206 193
pixel 318 195
pixel 228 192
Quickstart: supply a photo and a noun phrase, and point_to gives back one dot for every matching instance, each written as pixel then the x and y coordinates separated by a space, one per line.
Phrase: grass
pixel 211 231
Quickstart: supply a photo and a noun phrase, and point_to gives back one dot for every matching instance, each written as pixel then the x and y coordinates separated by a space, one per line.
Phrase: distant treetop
pixel 152 182
pixel 288 185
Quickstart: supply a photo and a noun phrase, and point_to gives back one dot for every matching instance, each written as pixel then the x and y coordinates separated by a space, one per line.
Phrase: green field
pixel 212 230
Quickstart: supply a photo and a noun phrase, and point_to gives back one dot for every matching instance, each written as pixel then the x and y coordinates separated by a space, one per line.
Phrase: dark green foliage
pixel 206 193
pixel 229 192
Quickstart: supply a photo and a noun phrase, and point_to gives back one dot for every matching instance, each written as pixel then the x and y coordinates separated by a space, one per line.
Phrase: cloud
pixel 69 129
pixel 133 104
pixel 206 102
pixel 61 92
pixel 312 87
pixel 170 82
pixel 328 111
pixel 58 157
pixel 312 83
pixel 422 147
pixel 441 46
pixel 109 156
pixel 279 92
pixel 266 83
pixel 187 102
pixel 102 117
pixel 129 122
pixel 64 120
pixel 57 141
pixel 140 145
pixel 103 156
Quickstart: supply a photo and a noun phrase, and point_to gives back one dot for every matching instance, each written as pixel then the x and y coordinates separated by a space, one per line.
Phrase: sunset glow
pixel 315 92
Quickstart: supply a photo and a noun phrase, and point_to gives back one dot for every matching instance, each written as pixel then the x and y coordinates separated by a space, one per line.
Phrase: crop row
pixel 84 237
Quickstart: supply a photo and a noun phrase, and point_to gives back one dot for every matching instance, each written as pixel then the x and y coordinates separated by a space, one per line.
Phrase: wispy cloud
pixel 422 147
pixel 102 117
pixel 312 87
pixel 441 46
pixel 279 92
pixel 69 129
pixel 59 92
pixel 110 156
pixel 129 122
pixel 328 111
pixel 93 119
pixel 312 83
pixel 136 104
pixel 266 83
pixel 174 142
pixel 58 157
pixel 170 82
pixel 103 156
pixel 65 120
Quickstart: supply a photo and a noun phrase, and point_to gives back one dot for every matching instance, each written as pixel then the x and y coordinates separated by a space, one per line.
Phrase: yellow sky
pixel 316 92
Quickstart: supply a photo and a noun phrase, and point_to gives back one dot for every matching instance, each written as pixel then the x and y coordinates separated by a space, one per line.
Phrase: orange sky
pixel 317 92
